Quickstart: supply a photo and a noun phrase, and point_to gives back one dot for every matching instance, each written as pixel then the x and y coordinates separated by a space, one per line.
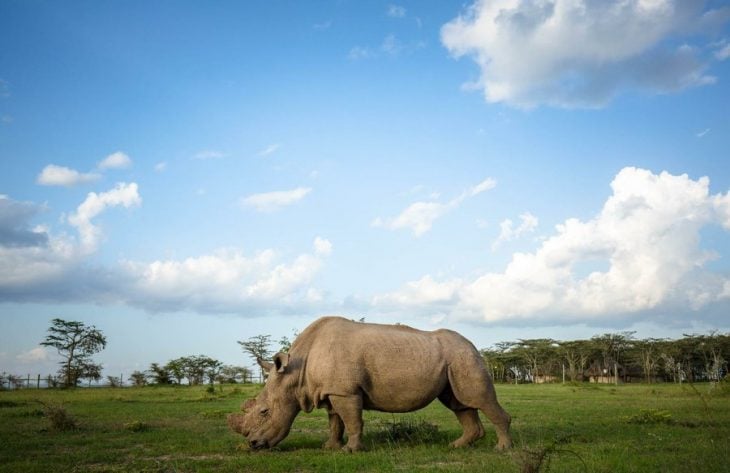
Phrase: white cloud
pixel 360 52
pixel 322 246
pixel 123 194
pixel 269 150
pixel 117 160
pixel 420 216
pixel 226 281
pixel 723 52
pixel 578 53
pixel 161 166
pixel 39 265
pixel 391 46
pixel 396 11
pixel 271 201
pixel 528 223
pixel 325 25
pixel 487 184
pixel 209 154
pixel 53 175
pixel 702 133
pixel 643 249
pixel 34 355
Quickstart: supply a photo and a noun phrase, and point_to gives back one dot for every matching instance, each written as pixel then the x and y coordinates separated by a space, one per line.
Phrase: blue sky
pixel 184 175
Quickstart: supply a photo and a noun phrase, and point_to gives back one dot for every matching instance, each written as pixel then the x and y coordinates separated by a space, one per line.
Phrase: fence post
pixel 38 382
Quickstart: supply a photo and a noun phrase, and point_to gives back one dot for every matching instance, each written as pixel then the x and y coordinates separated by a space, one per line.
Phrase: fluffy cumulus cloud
pixel 118 160
pixel 580 53
pixel 641 253
pixel 34 355
pixel 53 175
pixel 39 265
pixel 508 232
pixel 125 195
pixel 419 217
pixel 272 201
pixel 225 281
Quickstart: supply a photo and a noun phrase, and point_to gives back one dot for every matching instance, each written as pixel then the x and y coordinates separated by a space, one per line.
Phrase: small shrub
pixel 59 417
pixel 32 413
pixel 538 460
pixel 210 389
pixel 722 389
pixel 411 431
pixel 137 426
pixel 216 414
pixel 650 416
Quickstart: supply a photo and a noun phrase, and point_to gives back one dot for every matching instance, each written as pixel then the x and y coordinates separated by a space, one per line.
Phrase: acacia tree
pixel 159 374
pixel 75 343
pixel 646 352
pixel 257 348
pixel 577 354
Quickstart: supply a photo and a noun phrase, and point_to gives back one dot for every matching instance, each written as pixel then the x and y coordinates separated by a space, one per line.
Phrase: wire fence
pixel 13 382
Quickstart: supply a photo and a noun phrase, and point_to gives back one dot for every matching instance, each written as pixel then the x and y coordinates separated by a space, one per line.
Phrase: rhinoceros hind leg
pixel 349 408
pixel 337 429
pixel 472 387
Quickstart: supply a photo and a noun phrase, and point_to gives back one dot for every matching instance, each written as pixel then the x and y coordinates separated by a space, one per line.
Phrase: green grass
pixel 632 428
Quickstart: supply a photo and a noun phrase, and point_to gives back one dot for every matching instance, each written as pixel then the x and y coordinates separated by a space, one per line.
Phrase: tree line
pixel 611 357
pixel 76 343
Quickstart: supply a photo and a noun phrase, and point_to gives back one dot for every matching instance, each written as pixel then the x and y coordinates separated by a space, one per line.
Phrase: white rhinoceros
pixel 345 367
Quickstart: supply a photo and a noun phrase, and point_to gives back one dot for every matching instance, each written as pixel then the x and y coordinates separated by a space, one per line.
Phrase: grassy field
pixel 632 428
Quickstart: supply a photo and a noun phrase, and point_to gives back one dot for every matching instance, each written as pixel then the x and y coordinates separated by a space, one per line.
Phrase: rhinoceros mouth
pixel 258 444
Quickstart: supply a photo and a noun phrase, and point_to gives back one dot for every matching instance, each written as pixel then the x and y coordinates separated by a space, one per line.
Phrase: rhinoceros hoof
pixel 459 443
pixel 330 445
pixel 353 448
pixel 503 446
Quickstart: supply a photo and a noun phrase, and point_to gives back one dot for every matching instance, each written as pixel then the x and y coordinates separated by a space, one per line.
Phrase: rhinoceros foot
pixel 333 445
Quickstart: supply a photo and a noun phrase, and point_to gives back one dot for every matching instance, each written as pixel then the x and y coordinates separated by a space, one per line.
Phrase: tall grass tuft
pixel 410 431
pixel 59 417
pixel 538 460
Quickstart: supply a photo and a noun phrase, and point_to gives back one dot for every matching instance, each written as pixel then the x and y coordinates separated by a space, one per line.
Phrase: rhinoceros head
pixel 267 418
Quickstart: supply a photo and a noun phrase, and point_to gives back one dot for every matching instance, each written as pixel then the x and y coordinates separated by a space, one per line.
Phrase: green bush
pixel 136 426
pixel 59 417
pixel 650 416
pixel 411 431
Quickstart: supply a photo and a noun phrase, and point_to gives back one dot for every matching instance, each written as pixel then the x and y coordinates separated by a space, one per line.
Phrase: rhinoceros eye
pixel 264 411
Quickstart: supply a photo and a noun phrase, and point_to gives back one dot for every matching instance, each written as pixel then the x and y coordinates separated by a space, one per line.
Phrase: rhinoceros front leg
pixel 337 429
pixel 349 408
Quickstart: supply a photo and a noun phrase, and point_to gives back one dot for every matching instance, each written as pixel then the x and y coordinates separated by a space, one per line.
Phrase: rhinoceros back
pixel 395 368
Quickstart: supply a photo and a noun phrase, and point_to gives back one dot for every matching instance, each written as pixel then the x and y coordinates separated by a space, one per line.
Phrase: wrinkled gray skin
pixel 345 367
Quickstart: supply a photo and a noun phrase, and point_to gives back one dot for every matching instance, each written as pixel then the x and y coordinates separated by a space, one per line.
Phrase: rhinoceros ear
pixel 264 364
pixel 281 361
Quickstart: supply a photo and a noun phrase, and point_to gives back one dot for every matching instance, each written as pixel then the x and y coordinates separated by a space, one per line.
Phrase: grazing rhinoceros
pixel 345 367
